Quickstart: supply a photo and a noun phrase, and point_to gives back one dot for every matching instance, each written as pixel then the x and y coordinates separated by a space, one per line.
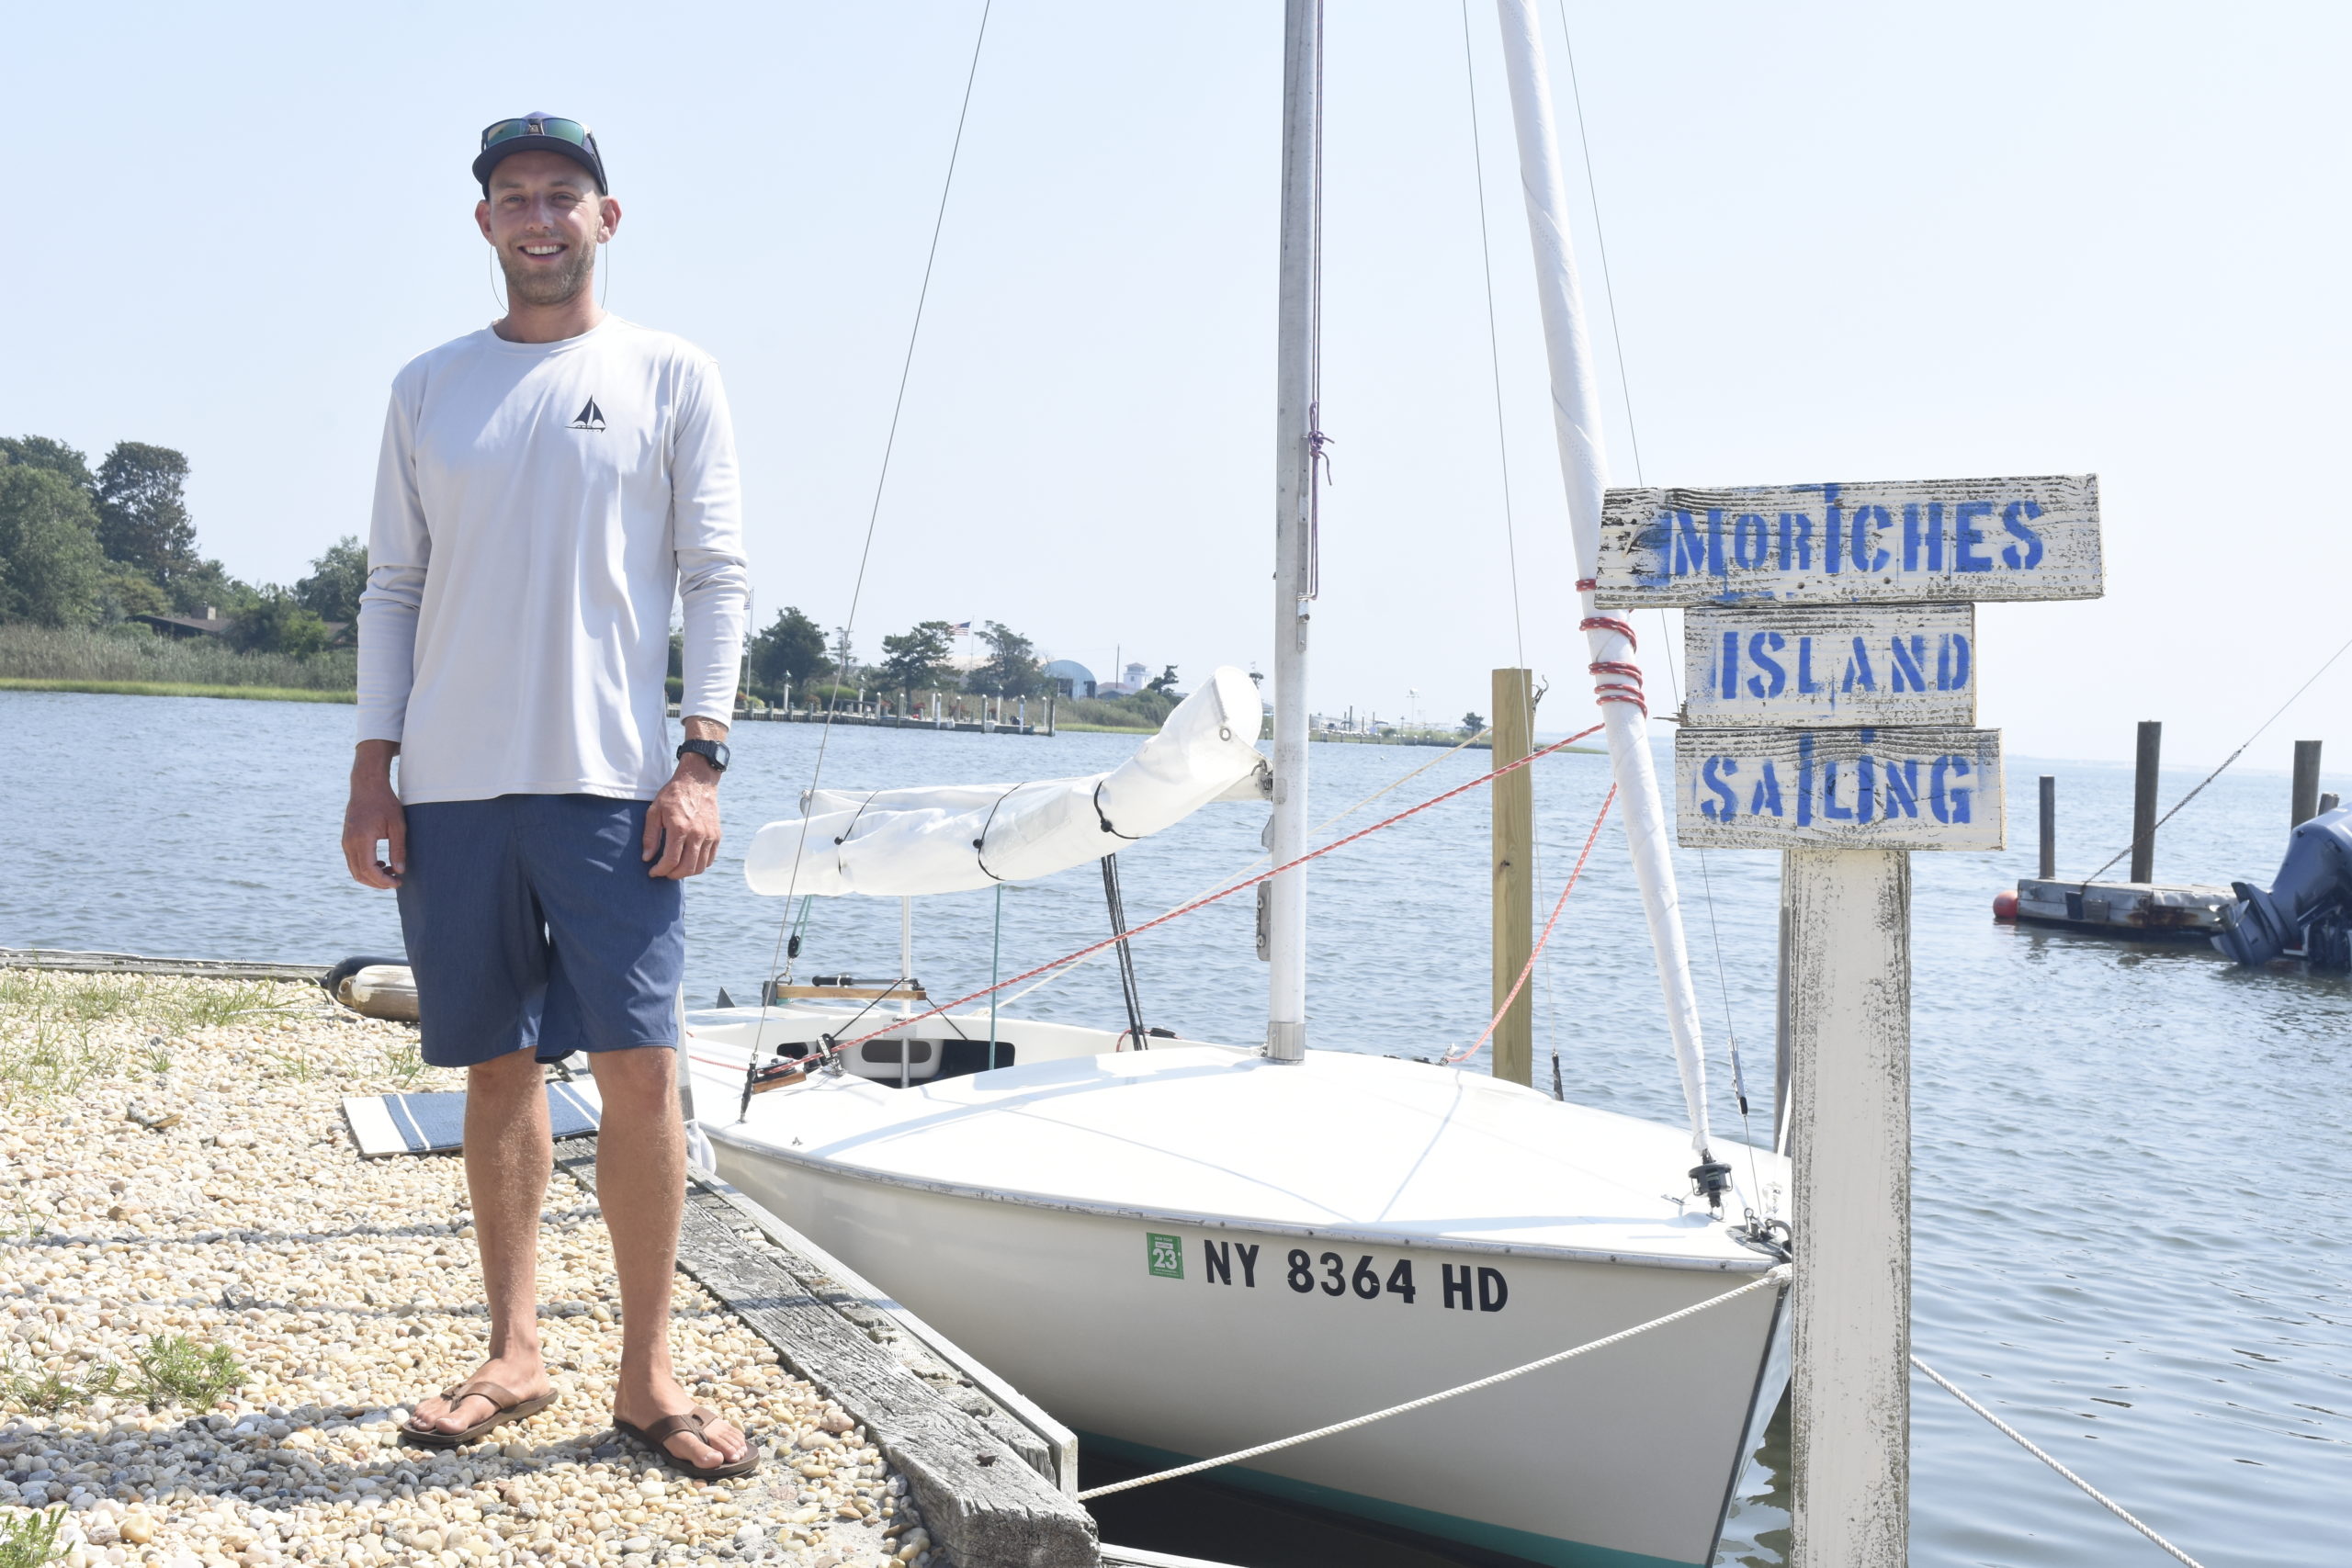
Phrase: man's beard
pixel 532 285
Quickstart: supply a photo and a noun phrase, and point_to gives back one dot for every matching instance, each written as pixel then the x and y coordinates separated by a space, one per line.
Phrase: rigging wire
pixel 1073 966
pixel 1494 341
pixel 1503 467
pixel 2216 774
pixel 835 1047
pixel 1665 639
pixel 1115 902
pixel 1452 1058
pixel 873 514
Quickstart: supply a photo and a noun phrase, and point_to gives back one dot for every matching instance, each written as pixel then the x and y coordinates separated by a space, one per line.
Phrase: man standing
pixel 548 486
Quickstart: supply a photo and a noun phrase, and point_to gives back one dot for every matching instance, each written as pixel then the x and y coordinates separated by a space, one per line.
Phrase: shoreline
pixel 175 689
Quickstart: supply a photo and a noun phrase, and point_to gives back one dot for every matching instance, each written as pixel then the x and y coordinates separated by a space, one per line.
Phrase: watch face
pixel 718 755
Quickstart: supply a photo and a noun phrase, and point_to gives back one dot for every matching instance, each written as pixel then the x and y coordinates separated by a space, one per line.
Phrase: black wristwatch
pixel 711 751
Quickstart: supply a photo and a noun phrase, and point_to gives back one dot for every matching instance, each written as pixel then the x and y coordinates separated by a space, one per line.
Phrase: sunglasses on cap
pixel 525 132
pixel 570 130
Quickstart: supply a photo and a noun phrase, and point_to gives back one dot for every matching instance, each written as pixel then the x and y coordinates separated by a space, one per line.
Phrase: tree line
pixel 82 547
pixel 791 650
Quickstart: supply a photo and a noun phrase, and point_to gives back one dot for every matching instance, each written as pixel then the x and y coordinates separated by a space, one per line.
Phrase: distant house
pixel 1134 682
pixel 214 624
pixel 1070 678
pixel 209 623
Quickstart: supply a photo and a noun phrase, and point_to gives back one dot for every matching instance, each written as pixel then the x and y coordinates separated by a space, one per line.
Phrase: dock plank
pixel 136 964
pixel 979 1496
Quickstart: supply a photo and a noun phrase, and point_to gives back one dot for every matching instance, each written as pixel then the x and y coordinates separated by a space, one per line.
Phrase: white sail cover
pixel 948 839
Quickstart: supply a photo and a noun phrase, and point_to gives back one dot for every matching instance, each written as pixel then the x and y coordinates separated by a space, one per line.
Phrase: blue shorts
pixel 532 924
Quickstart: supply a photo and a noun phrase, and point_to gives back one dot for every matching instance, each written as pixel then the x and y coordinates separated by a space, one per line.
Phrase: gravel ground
pixel 173 1163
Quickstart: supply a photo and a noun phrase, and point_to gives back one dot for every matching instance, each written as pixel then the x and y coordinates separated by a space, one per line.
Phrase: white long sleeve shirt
pixel 538 506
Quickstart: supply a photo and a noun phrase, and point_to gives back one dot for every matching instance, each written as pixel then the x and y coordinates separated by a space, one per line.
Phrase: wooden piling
pixel 2143 802
pixel 2329 802
pixel 1514 873
pixel 2306 800
pixel 2049 828
pixel 1849 1139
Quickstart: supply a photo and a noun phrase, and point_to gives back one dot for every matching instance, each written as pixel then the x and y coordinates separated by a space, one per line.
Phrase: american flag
pixel 961 628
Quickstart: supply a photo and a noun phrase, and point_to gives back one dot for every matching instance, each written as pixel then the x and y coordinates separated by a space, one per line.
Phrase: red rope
pixel 1610 624
pixel 1130 934
pixel 1529 967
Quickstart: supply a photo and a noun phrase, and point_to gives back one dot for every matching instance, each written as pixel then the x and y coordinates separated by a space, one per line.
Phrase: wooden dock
pixel 996 1477
pixel 135 964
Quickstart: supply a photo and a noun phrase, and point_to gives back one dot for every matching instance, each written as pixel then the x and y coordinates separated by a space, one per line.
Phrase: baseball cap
pixel 539 132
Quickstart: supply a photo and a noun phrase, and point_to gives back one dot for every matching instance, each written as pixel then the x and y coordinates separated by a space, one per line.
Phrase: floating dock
pixel 889 720
pixel 2124 908
pixel 2141 909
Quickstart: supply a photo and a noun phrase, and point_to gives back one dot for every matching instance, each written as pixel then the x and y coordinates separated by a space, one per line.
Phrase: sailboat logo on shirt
pixel 591 417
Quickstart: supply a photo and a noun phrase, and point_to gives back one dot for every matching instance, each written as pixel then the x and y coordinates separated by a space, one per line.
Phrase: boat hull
pixel 1171 1337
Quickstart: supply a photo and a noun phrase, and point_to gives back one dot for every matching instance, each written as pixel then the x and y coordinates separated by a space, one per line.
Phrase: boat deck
pixel 1341 1144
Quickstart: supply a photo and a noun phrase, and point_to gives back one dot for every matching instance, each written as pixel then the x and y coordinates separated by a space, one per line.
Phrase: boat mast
pixel 1575 419
pixel 1297 384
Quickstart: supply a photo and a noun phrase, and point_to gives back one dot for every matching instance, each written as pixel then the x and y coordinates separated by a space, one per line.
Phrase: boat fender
pixel 2005 906
pixel 331 981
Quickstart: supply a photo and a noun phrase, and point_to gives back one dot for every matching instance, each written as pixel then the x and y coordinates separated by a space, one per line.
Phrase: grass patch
pixel 169 1369
pixel 46 1393
pixel 27 1226
pixel 176 689
pixel 176 1370
pixel 404 1062
pixel 48 1024
pixel 31 1540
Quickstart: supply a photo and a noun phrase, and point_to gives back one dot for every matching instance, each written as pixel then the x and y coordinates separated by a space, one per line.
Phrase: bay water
pixel 2130 1233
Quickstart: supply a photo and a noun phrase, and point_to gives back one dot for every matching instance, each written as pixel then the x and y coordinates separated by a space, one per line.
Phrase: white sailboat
pixel 1190 1249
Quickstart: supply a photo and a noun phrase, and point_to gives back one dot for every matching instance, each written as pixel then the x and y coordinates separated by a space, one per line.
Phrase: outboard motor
pixel 2309 904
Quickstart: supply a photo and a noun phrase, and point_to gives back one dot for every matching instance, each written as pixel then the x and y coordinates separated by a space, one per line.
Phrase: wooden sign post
pixel 1830 638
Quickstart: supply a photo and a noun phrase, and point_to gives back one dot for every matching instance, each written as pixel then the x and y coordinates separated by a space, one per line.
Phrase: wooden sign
pixel 1943 540
pixel 1856 789
pixel 1907 664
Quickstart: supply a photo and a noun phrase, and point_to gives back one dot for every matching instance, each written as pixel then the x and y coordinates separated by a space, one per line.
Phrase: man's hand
pixel 373 816
pixel 682 826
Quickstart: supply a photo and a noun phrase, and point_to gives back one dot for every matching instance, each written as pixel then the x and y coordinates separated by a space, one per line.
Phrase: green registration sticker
pixel 1167 1255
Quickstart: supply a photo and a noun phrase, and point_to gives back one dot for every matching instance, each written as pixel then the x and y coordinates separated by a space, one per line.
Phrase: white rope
pixel 2092 1492
pixel 1777 1275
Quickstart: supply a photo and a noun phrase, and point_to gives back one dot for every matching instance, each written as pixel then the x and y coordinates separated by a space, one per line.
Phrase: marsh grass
pixel 133 655
pixel 50 1044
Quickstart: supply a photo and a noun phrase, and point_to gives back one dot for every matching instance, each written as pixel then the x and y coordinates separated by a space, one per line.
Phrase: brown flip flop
pixel 505 1407
pixel 656 1437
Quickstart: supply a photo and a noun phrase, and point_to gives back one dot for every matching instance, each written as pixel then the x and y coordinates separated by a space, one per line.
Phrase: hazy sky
pixel 1847 242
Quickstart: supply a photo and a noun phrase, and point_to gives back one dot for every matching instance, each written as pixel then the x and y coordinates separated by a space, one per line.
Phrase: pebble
pixel 220 1198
